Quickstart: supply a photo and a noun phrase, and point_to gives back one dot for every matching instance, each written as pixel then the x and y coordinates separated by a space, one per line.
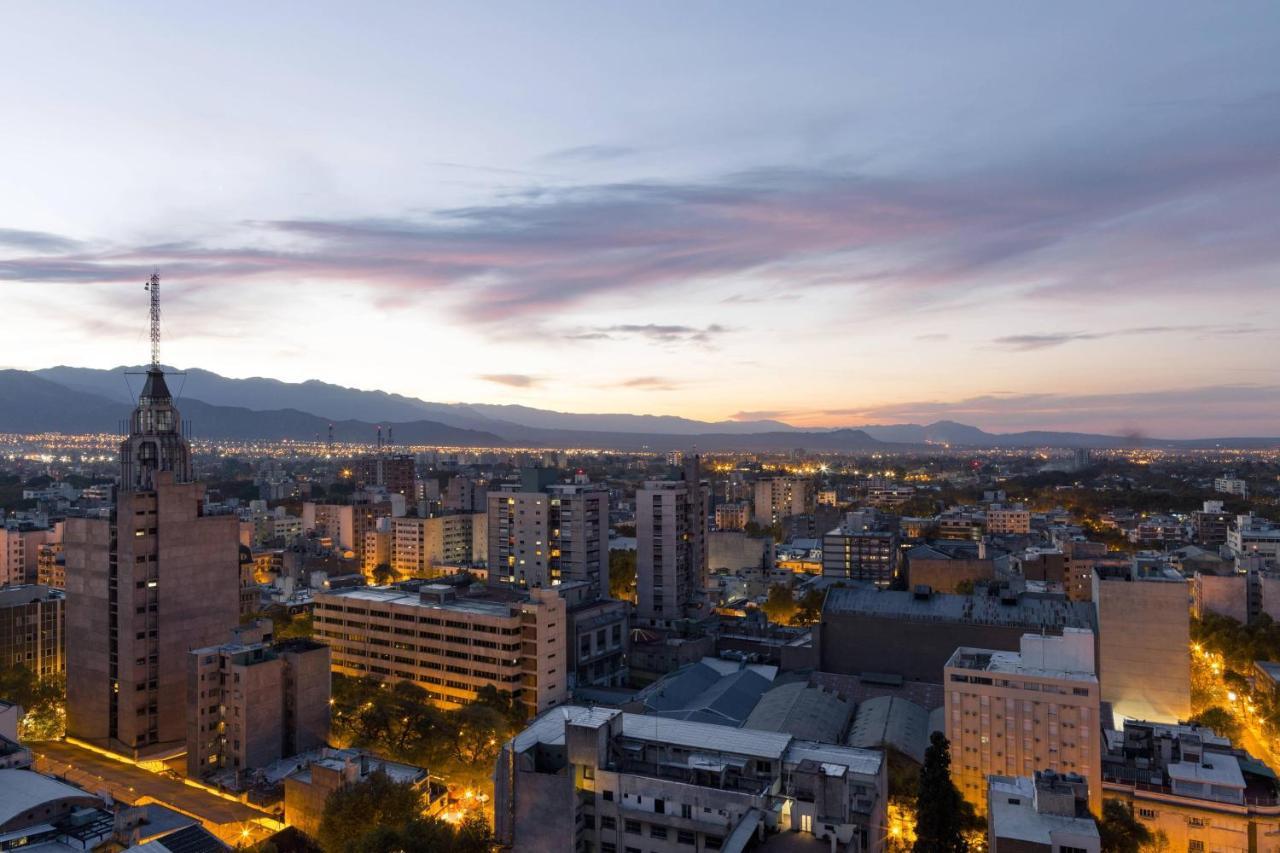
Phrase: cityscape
pixel 707 475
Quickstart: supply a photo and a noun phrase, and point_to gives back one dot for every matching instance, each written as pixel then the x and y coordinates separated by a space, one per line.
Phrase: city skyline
pixel 765 216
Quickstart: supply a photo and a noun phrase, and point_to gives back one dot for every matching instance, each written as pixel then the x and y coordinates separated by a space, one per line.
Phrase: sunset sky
pixel 1015 215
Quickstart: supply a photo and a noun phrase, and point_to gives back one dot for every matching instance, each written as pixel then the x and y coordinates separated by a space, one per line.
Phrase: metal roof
pixel 802 711
pixel 24 790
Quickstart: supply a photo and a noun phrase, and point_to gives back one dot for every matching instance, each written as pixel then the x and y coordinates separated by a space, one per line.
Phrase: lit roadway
pixel 130 784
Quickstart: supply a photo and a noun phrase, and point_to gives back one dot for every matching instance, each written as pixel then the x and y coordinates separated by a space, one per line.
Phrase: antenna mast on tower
pixel 153 286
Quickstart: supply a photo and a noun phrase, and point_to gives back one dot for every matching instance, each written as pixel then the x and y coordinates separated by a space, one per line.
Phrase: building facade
pixel 32 628
pixel 144 587
pixel 671 548
pixel 1144 638
pixel 251 702
pixel 602 780
pixel 861 549
pixel 451 642
pixel 1014 713
pixel 778 497
pixel 547 537
pixel 419 545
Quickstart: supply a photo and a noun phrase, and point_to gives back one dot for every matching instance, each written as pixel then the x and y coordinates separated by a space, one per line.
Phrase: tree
pixel 940 815
pixel 781 605
pixel 1220 720
pixel 383 574
pixel 355 811
pixel 622 575
pixel 1119 830
pixel 43 700
pixel 810 607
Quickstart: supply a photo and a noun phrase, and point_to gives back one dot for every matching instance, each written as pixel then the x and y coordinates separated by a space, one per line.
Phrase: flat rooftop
pixel 11 596
pixel 485 604
pixel 990 660
pixel 1026 611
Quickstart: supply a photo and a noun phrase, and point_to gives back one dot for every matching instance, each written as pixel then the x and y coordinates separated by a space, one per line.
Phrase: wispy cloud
pixel 36 241
pixel 651 383
pixel 512 380
pixel 1155 215
pixel 590 153
pixel 666 333
pixel 1054 339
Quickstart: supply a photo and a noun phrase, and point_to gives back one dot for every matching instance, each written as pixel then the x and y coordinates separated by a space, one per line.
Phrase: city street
pixel 131 784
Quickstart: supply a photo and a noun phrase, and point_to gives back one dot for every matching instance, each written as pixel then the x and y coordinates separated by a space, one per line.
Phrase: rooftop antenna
pixel 379 436
pixel 390 443
pixel 153 287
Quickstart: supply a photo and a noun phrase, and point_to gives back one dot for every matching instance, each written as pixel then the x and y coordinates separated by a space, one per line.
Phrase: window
pixel 607 822
pixel 1147 814
pixel 684 836
pixel 632 827
pixel 656 831
pixel 659 806
pixel 608 795
pixel 1194 846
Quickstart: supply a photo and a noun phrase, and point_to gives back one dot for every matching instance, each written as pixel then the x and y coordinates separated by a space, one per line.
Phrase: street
pixel 128 783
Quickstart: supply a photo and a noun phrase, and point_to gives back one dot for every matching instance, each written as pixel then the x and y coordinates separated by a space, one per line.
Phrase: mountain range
pixel 81 400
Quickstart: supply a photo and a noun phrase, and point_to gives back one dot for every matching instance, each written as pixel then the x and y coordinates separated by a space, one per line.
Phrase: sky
pixel 1014 215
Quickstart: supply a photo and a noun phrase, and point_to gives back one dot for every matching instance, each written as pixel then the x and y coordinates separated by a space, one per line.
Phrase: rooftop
pixel 28 592
pixel 1014 815
pixel 483 605
pixel 23 790
pixel 803 711
pixel 1024 611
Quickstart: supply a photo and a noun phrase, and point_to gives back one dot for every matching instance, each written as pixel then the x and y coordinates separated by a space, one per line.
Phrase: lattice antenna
pixel 153 286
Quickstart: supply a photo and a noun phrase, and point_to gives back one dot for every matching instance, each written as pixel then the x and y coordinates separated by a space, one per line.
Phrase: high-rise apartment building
pixel 145 586
pixel 419 545
pixel 779 497
pixel 545 537
pixel 732 516
pixel 671 547
pixel 451 641
pixel 251 702
pixel 1013 713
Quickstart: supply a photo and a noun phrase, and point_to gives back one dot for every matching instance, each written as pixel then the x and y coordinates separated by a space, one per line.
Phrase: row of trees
pixel 400 722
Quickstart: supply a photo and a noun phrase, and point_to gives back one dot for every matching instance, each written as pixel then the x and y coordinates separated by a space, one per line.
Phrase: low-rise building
pixel 600 779
pixel 451 640
pixel 1193 787
pixel 1008 519
pixel 1045 813
pixel 308 788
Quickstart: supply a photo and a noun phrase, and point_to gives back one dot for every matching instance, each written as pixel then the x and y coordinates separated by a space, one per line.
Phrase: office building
pixel 1192 786
pixel 862 548
pixel 1144 634
pixel 551 535
pixel 251 701
pixel 600 779
pixel 671 548
pixel 451 641
pixel 1013 713
pixel 778 497
pixel 32 628
pixel 146 586
pixel 1079 560
pixel 914 634
pixel 465 494
pixel 1044 813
